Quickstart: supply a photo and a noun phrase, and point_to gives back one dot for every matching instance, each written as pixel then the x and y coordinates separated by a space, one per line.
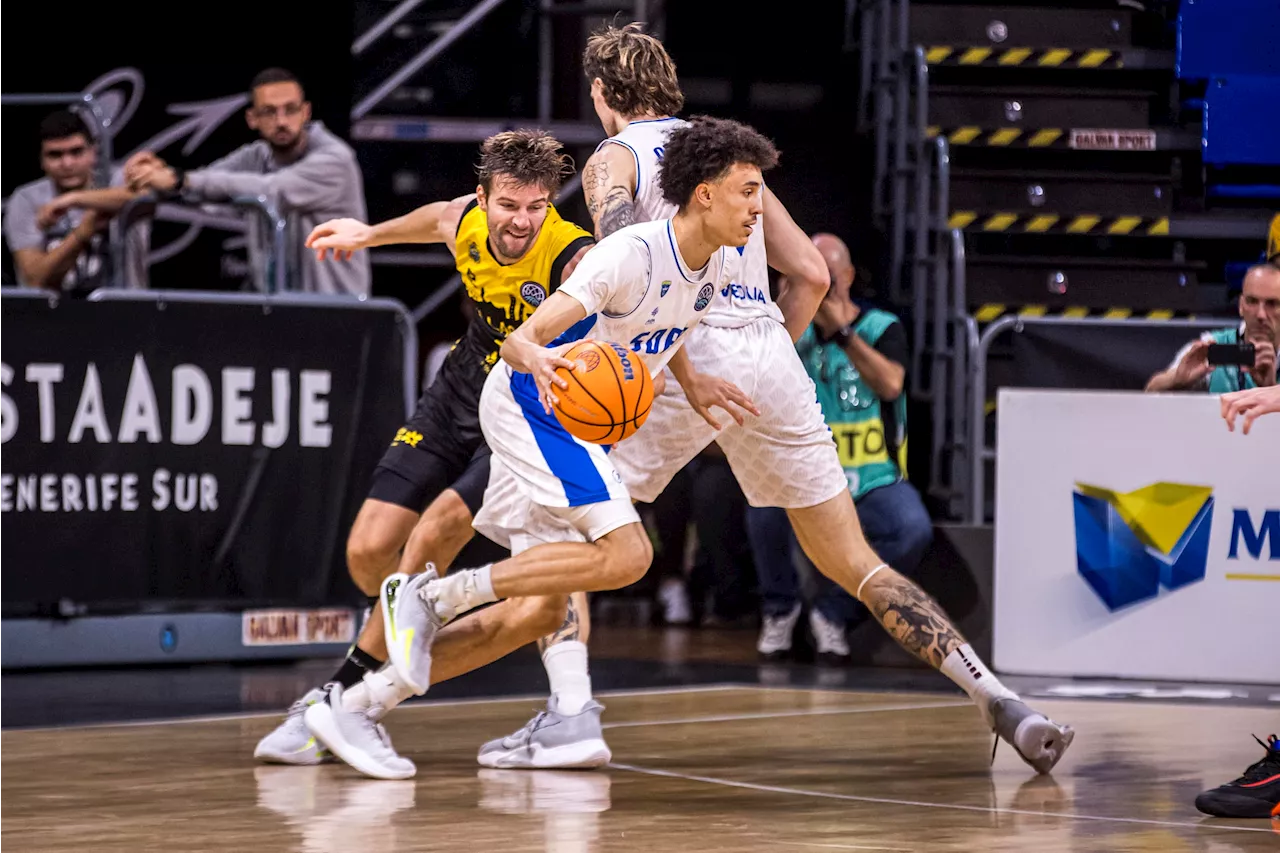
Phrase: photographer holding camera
pixel 1236 358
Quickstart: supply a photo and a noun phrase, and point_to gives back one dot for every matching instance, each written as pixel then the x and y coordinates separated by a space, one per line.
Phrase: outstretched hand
pixel 342 237
pixel 1249 404
pixel 705 391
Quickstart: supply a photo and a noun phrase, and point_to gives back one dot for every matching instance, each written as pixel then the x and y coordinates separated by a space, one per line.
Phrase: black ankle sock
pixel 355 666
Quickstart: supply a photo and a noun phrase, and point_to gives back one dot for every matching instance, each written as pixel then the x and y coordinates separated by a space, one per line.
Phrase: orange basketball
pixel 609 394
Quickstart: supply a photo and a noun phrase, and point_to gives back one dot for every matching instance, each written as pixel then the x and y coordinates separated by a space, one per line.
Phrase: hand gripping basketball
pixel 606 395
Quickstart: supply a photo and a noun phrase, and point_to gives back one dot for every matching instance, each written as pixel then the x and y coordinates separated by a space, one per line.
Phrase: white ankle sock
pixel 965 668
pixel 383 688
pixel 461 591
pixel 566 665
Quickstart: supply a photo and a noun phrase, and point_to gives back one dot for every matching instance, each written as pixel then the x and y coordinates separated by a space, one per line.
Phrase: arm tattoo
pixel 913 618
pixel 619 211
pixel 595 177
pixel 568 630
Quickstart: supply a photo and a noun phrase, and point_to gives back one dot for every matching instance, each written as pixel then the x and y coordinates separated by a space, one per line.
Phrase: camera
pixel 1239 354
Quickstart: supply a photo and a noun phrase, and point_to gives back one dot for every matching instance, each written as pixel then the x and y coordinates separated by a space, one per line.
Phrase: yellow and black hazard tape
pixel 1003 137
pixel 994 310
pixel 1055 223
pixel 1024 57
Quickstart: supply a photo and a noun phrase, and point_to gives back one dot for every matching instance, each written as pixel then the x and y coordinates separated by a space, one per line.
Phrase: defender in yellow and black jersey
pixel 512 250
pixel 504 293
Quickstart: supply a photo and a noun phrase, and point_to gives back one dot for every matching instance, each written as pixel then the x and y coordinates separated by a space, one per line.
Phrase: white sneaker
pixel 775 633
pixel 830 643
pixel 357 737
pixel 674 599
pixel 411 623
pixel 551 739
pixel 1038 740
pixel 291 742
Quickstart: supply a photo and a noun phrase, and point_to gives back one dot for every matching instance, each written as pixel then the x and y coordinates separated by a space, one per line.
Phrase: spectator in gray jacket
pixel 56 227
pixel 307 172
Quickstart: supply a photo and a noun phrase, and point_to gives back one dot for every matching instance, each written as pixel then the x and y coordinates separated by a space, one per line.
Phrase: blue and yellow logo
pixel 1130 544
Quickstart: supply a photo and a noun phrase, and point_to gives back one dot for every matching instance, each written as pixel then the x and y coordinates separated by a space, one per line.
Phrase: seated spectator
pixel 309 174
pixel 56 227
pixel 856 355
pixel 1260 325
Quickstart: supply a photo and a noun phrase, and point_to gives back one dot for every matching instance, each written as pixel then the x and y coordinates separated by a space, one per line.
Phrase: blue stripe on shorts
pixel 568 460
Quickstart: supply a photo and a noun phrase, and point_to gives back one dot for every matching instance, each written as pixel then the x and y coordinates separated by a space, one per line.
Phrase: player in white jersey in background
pixel 784 457
pixel 555 500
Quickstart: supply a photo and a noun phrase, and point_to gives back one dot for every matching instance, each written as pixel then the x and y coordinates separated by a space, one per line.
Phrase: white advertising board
pixel 1135 537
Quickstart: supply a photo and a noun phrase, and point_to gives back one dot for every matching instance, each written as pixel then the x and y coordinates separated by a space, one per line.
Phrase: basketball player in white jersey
pixel 784 457
pixel 553 499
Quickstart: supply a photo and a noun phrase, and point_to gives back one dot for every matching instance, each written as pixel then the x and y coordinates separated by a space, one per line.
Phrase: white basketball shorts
pixel 786 457
pixel 544 484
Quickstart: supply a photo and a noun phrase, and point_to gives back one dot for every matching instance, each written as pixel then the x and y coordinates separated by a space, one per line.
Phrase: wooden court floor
pixel 715 769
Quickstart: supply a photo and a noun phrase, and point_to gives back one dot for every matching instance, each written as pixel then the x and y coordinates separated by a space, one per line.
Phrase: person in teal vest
pixel 1259 307
pixel 856 355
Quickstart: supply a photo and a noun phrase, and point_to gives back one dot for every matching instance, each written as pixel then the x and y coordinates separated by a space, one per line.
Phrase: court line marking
pixel 774 715
pixel 441 703
pixel 831 795
pixel 839 846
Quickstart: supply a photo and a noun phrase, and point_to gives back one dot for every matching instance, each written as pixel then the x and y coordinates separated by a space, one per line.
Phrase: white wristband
pixel 858 594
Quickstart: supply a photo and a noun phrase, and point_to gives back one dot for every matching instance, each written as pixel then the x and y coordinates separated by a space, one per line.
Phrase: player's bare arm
pixel 704 391
pixel 609 184
pixel 574 261
pixel 792 253
pixel 432 223
pixel 526 349
pixel 1250 404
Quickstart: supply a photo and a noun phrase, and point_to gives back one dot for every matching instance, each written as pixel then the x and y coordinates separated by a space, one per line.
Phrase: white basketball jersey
pixel 640 294
pixel 746 298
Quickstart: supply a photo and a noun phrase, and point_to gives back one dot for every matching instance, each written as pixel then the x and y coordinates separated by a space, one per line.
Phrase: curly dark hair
pixel 705 149
pixel 528 157
pixel 636 70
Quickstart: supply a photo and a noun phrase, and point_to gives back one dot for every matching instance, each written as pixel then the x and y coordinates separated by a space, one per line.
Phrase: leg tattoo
pixel 568 630
pixel 913 618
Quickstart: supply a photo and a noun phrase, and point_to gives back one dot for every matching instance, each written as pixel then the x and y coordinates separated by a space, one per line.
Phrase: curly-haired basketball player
pixel 554 499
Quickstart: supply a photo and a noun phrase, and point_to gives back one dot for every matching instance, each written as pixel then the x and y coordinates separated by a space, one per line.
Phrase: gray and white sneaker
pixel 291 742
pixel 552 739
pixel 411 623
pixel 1038 740
pixel 357 737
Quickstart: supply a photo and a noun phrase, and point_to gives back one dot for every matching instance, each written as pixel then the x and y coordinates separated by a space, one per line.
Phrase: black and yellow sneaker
pixel 1255 794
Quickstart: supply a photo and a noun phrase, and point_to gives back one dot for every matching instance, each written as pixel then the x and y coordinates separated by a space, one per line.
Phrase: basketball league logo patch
pixel 704 297
pixel 533 293
pixel 662 291
pixel 473 251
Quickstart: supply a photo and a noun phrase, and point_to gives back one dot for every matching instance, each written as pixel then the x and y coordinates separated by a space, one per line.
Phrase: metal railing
pixel 50 296
pixel 149 205
pixel 981 451
pixel 404 322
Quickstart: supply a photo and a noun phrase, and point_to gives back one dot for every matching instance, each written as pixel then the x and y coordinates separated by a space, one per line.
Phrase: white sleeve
pixel 611 277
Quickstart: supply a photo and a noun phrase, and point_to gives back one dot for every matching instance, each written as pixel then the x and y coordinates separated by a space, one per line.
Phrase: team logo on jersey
pixel 533 293
pixel 704 297
pixel 474 251
pixel 662 291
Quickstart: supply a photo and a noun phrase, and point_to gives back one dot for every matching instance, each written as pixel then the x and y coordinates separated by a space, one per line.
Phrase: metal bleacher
pixel 1060 161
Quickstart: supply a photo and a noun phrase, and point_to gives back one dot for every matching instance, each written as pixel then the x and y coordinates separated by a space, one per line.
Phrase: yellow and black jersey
pixel 504 295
